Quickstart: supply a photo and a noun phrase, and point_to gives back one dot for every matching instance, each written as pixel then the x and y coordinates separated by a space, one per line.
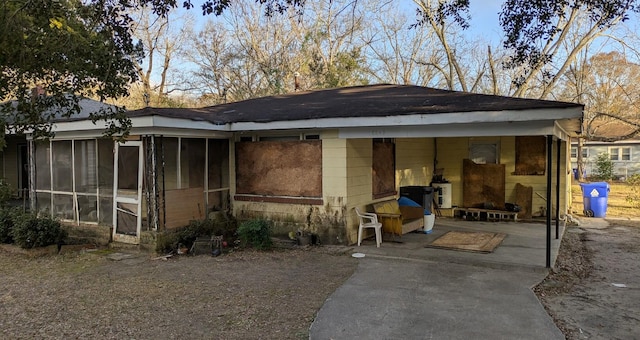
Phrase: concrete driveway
pixel 406 291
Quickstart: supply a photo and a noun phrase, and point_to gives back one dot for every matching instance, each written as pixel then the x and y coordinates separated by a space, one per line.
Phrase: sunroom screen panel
pixel 85 166
pixel 61 166
pixel 43 166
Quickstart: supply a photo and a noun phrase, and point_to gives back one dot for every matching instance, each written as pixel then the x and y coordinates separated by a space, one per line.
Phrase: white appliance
pixel 442 192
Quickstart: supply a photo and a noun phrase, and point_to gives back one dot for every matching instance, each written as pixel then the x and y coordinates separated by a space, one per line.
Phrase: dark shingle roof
pixel 358 101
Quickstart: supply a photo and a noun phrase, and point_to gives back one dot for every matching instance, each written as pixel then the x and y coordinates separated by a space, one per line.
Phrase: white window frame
pixel 628 154
pixel 73 194
pixel 574 152
pixel 613 157
pixel 484 145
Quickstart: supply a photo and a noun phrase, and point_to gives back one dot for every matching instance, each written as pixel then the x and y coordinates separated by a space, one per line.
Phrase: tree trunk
pixel 580 161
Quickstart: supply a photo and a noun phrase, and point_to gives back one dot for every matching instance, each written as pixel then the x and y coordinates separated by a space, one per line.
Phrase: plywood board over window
pixel 482 185
pixel 383 168
pixel 530 155
pixel 282 168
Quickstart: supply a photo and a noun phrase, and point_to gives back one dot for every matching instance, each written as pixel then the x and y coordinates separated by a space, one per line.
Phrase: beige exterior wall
pixel 451 152
pixel 359 183
pixel 414 161
pixel 414 166
pixel 347 182
pixel 327 220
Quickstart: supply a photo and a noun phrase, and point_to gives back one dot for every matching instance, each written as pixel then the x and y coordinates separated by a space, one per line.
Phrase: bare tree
pixel 397 54
pixel 162 38
pixel 248 55
pixel 435 15
pixel 331 47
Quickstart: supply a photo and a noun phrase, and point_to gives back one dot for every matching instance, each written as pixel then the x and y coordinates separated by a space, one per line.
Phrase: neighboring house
pixel 304 160
pixel 624 154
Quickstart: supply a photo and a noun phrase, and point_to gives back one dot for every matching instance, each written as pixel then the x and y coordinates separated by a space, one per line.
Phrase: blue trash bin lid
pixel 595 189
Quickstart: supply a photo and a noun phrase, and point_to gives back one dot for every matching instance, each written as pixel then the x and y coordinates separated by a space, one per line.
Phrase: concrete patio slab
pixel 403 290
pixel 524 246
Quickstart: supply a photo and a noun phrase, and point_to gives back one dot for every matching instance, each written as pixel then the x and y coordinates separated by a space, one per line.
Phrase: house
pixel 15 156
pixel 305 160
pixel 609 137
pixel 14 165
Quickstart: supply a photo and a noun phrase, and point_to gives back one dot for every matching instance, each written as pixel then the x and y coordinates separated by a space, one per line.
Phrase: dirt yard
pixel 594 292
pixel 243 295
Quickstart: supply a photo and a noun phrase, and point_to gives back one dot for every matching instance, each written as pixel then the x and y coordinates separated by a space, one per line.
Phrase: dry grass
pixel 617 204
pixel 241 295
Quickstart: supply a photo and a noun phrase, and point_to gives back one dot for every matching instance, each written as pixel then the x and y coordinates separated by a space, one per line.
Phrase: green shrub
pixel 255 233
pixel 221 225
pixel 195 229
pixel 7 218
pixel 6 192
pixel 30 231
pixel 604 167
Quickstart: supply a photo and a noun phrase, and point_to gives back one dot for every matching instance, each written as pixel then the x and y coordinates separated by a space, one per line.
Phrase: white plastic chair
pixel 369 220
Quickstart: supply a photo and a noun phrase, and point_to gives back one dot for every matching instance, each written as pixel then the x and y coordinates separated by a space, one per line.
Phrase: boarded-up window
pixel 287 168
pixel 384 168
pixel 530 155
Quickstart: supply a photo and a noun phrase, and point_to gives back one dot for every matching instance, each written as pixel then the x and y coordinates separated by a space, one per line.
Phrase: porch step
pixel 126 247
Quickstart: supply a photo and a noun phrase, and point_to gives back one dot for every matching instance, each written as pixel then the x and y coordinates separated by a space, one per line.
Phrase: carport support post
pixel 549 168
pixel 558 149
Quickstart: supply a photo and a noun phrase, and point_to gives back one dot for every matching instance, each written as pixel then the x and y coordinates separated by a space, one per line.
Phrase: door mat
pixel 479 242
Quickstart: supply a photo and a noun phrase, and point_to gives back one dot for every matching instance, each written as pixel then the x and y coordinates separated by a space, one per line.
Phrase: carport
pixel 524 246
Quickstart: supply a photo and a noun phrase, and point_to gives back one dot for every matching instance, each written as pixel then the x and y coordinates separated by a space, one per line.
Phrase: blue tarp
pixel 406 202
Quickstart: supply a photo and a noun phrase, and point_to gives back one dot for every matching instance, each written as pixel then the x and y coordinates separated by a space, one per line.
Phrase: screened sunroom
pixel 149 182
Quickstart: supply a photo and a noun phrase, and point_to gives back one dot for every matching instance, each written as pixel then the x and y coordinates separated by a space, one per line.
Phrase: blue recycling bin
pixel 595 196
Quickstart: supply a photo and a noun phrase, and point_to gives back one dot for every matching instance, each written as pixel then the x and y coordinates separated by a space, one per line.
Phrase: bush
pixel 7 218
pixel 194 230
pixel 6 192
pixel 221 225
pixel 604 167
pixel 30 231
pixel 255 233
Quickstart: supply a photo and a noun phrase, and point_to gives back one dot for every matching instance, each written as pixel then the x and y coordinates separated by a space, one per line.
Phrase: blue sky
pixel 484 19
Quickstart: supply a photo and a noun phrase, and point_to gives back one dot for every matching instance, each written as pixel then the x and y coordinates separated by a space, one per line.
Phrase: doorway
pixel 127 198
pixel 23 171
